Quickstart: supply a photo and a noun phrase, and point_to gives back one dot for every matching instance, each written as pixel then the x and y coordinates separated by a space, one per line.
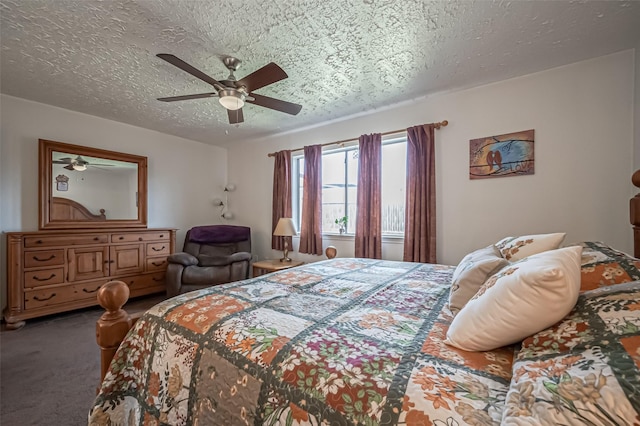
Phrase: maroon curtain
pixel 281 205
pixel 311 226
pixel 369 206
pixel 420 213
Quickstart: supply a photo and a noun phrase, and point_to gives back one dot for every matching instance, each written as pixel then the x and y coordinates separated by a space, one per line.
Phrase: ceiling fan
pixel 234 93
pixel 78 164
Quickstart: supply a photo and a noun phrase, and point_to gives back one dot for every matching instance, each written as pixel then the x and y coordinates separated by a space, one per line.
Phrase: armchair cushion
pixel 207 260
pixel 182 258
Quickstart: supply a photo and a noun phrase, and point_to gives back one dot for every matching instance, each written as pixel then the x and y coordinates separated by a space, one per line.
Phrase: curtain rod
pixel 436 125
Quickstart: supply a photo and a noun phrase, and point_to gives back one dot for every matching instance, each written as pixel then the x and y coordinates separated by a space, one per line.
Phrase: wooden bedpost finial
pixel 114 324
pixel 112 296
pixel 331 252
pixel 636 178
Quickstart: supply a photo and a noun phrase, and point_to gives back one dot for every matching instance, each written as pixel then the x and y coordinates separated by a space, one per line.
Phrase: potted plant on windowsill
pixel 342 224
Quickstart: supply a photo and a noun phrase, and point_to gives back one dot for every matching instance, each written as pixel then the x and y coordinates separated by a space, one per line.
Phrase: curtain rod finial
pixel 441 124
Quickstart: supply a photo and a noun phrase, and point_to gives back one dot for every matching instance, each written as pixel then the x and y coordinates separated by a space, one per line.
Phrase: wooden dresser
pixel 56 271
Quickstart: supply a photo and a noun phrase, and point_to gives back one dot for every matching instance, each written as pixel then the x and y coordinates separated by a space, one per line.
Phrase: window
pixel 340 185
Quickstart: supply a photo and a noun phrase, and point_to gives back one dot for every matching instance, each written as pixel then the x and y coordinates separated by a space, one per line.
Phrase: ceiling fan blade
pixel 277 104
pixel 66 160
pixel 266 75
pixel 187 97
pixel 68 167
pixel 235 116
pixel 174 60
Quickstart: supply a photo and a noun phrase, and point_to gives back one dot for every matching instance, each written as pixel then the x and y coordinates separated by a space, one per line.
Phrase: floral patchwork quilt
pixel 337 342
pixel 586 369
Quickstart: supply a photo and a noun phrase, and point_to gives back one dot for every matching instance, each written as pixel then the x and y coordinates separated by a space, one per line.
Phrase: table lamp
pixel 285 228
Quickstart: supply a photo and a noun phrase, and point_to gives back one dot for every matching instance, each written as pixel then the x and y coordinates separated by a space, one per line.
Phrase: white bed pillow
pixel 523 298
pixel 472 271
pixel 517 248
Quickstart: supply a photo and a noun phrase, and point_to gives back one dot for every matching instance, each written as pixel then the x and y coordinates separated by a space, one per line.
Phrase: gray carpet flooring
pixel 49 369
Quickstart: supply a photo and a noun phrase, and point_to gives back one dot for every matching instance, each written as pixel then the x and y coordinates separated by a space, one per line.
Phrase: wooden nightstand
pixel 265 266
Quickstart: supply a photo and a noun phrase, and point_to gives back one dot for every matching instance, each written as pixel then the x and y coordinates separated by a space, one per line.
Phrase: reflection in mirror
pixel 98 184
pixel 83 187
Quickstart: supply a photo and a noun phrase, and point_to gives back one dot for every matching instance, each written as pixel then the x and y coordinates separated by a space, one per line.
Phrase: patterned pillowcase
pixel 586 368
pixel 521 299
pixel 604 266
pixel 472 271
pixel 517 248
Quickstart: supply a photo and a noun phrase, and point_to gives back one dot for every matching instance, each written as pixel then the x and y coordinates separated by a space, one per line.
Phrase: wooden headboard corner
pixel 66 209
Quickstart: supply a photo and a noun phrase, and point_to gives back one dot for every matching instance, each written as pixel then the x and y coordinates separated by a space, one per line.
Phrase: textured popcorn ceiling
pixel 343 57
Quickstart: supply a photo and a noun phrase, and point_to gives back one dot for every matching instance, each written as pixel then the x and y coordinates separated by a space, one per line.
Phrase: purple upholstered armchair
pixel 212 255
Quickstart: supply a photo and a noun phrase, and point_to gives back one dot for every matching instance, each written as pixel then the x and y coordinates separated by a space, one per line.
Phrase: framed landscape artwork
pixel 503 155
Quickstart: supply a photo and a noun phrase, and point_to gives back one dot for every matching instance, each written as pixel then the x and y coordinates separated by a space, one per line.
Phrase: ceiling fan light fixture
pixel 79 167
pixel 231 99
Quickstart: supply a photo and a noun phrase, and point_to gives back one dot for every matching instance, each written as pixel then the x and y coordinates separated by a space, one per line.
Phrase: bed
pixel 362 341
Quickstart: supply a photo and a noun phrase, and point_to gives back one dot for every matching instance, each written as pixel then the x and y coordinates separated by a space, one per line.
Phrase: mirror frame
pixel 45 180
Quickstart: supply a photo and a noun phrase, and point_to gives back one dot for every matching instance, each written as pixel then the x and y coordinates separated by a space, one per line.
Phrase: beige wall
pixel 183 176
pixel 583 120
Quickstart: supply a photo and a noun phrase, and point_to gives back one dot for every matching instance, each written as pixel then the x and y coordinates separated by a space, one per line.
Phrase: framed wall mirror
pixel 82 187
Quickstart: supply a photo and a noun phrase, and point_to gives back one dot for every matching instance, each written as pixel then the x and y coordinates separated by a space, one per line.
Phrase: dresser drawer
pixel 156 264
pixel 141 282
pixel 157 249
pixel 139 236
pixel 34 259
pixel 55 295
pixel 43 277
pixel 65 240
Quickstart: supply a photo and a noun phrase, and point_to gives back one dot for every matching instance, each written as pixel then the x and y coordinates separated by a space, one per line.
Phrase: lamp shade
pixel 285 228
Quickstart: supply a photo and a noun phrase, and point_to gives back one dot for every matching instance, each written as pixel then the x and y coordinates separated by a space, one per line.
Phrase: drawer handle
pixel 96 239
pixel 160 249
pixel 42 300
pixel 157 279
pixel 121 238
pixel 158 264
pixel 39 242
pixel 53 256
pixel 90 291
pixel 139 238
pixel 161 235
pixel 43 279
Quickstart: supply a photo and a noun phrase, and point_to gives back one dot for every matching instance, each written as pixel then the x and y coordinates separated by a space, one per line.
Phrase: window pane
pixel 352 189
pixel 394 180
pixel 333 190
